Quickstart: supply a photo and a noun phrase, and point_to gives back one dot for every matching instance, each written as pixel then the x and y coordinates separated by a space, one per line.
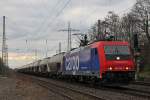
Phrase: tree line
pixel 133 23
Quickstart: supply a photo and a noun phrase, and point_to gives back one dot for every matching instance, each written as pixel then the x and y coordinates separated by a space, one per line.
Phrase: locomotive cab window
pixel 114 51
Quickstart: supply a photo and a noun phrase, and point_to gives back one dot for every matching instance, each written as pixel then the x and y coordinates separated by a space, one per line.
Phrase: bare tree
pixel 113 21
pixel 141 11
pixel 124 28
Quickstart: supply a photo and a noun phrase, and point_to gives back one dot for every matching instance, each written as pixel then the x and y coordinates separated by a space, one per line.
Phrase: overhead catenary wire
pixel 28 32
pixel 31 5
pixel 57 15
pixel 49 14
pixel 40 27
pixel 12 24
pixel 52 18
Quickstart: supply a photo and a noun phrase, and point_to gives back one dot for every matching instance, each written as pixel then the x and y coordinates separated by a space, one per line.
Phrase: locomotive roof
pixel 96 43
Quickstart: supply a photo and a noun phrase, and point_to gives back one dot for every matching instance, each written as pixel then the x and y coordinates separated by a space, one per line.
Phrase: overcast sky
pixel 39 20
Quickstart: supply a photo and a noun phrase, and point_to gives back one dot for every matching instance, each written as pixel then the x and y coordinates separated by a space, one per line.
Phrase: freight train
pixel 103 61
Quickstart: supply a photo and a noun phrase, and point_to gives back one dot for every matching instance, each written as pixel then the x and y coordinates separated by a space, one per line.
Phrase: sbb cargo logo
pixel 72 63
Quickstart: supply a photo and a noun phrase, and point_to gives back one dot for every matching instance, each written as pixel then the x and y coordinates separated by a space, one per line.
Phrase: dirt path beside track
pixel 14 88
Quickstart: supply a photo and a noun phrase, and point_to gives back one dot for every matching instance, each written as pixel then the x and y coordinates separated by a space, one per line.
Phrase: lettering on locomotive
pixel 72 63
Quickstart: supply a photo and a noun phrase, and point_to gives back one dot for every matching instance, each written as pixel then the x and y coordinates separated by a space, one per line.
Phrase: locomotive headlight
pixel 127 68
pixel 110 68
pixel 118 58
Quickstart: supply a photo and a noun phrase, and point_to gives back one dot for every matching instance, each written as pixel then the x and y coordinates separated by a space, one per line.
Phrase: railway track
pixel 66 97
pixel 141 83
pixel 135 91
pixel 129 91
pixel 124 90
pixel 80 91
pixel 67 92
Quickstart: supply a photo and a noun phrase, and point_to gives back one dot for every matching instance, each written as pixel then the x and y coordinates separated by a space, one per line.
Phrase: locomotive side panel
pixel 83 62
pixel 95 62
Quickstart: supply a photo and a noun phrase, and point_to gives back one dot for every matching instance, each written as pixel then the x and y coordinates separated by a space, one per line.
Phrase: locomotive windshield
pixel 114 51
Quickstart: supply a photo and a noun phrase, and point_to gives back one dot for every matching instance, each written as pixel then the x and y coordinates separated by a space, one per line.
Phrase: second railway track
pixel 129 91
pixel 78 91
pixel 141 83
pixel 67 92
